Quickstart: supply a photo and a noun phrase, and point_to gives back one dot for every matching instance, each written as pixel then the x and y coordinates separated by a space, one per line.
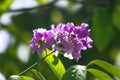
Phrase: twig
pixel 33 8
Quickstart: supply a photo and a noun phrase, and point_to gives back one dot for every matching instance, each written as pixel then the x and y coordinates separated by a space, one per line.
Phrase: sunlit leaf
pixel 26 78
pixel 51 68
pixel 102 28
pixel 108 67
pixel 76 72
pixel 99 74
pixel 38 75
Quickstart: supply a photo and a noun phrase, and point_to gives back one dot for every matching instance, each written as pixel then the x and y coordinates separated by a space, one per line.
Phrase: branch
pixel 33 8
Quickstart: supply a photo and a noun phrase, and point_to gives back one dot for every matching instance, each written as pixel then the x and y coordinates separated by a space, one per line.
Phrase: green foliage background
pixel 103 17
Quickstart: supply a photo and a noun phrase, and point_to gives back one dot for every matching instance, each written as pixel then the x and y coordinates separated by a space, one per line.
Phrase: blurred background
pixel 18 18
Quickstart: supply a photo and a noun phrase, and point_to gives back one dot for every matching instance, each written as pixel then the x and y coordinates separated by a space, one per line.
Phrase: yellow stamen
pixel 39 46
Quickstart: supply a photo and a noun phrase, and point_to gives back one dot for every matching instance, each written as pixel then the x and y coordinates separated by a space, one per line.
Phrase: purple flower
pixel 71 39
pixel 67 38
pixel 41 40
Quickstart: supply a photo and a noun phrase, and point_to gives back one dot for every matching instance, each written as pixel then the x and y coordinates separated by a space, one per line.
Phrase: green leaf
pixel 26 78
pixel 108 67
pixel 102 28
pixel 76 72
pixel 51 68
pixel 4 5
pixel 38 74
pixel 99 74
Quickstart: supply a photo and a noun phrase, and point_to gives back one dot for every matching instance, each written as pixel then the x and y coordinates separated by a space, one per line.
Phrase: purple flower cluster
pixel 68 38
pixel 42 39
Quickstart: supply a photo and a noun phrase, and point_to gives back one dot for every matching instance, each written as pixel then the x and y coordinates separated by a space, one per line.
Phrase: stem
pixel 34 64
pixel 28 68
pixel 90 63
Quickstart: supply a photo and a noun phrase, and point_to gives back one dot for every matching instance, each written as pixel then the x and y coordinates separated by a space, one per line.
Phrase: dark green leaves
pixel 49 68
pixel 76 72
pixel 108 67
pixel 99 74
pixel 102 28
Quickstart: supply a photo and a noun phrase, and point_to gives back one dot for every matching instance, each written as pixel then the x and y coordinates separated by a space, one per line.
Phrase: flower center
pixel 40 42
pixel 73 36
pixel 60 45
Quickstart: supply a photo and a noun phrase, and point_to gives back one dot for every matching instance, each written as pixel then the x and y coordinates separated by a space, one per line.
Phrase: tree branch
pixel 33 8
